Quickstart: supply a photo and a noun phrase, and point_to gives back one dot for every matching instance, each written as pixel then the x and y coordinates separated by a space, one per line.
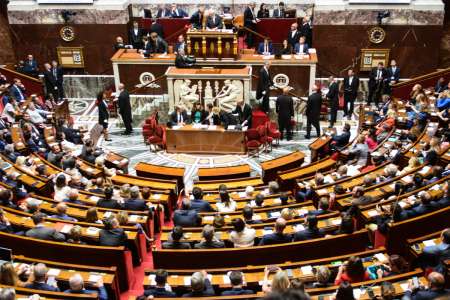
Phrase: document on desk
pixel 176 127
pixel 212 127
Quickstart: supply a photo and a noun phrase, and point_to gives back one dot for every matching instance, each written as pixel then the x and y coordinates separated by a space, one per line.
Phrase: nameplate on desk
pixel 176 127
pixel 286 56
pixel 212 127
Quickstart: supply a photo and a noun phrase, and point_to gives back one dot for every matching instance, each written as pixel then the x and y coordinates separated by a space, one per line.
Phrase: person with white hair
pixel 76 284
pixel 7 294
pixel 313 106
pixel 135 202
pixel 214 21
pixel 200 286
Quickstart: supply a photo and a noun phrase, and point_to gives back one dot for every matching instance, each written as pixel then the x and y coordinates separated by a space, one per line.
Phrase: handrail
pixel 254 32
pixel 176 33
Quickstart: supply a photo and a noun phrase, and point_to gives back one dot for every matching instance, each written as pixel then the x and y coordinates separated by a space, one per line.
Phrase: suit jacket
pixel 373 77
pixel 275 238
pixel 197 19
pixel 263 13
pixel 293 37
pixel 249 17
pixel 112 204
pixel 124 103
pixel 237 291
pixel 174 117
pixel 245 114
pixel 201 205
pixel 178 13
pixel 264 83
pixel 103 114
pixel 278 13
pixel 285 107
pixel 178 46
pixel 45 233
pixel 209 245
pixel 297 48
pixel 261 48
pixel 159 292
pixel 41 286
pixel 176 245
pixel 17 92
pixel 208 291
pixel 351 89
pixel 30 66
pixel 156 27
pixel 63 217
pixel 113 237
pixel 181 61
pixel 342 139
pixel 308 234
pixel 306 32
pixel 158 46
pixel 313 106
pixel 50 80
pixel 333 93
pixel 186 218
pixel 393 75
pixel 425 294
pixel 163 13
pixel 102 293
pixel 217 23
pixel 147 13
pixel 135 204
pixel 135 39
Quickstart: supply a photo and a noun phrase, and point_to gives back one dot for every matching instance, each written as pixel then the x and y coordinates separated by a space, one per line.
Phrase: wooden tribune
pixel 191 140
pixel 212 43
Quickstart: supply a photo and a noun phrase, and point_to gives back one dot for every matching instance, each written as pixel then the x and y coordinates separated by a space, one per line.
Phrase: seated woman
pixel 225 205
pixel 352 271
pixel 395 265
pixel 371 139
pixel 386 125
pixel 242 235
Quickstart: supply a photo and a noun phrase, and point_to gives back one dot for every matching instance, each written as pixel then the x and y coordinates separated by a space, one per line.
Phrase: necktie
pixel 214 20
pixel 378 74
pixel 20 93
pixel 54 73
pixel 265 49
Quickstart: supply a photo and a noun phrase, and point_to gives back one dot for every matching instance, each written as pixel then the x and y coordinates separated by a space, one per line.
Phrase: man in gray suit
pixel 40 231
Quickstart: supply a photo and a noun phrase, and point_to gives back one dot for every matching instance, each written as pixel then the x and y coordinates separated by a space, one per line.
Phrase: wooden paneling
pixel 339 45
pixel 42 39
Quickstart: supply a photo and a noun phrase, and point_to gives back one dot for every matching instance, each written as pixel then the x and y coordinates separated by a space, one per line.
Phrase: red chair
pixel 273 132
pixel 264 138
pixel 158 139
pixel 148 128
pixel 253 141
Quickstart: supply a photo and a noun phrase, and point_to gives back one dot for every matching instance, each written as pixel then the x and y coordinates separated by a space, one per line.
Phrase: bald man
pixel 76 284
pixel 277 237
pixel 125 109
pixel 313 107
pixel 285 111
pixel 435 289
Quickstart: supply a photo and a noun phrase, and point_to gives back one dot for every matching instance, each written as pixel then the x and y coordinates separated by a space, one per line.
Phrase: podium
pixel 218 44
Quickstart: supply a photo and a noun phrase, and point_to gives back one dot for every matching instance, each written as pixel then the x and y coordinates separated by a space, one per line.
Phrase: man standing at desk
pixel 264 84
pixel 244 112
pixel 158 45
pixel 214 21
pixel 250 21
pixel 197 18
pixel 279 12
pixel 125 109
pixel 135 36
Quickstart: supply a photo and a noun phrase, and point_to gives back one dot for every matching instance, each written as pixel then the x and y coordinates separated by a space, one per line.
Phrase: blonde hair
pixel 122 217
pixel 280 282
pixel 8 275
pixel 287 214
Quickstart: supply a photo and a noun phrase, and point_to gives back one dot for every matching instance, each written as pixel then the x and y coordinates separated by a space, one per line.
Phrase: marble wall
pixel 369 17
pixel 83 16
pixel 86 86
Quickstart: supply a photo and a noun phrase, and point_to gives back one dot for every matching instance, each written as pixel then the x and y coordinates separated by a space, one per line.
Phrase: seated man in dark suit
pixel 157 44
pixel 277 237
pixel 134 202
pixel 200 286
pixel 40 231
pixel 435 289
pixel 198 203
pixel 61 213
pixel 210 241
pixel 5 225
pixel 236 283
pixel 39 278
pixel 179 117
pixel 436 255
pixel 76 284
pixel 186 216
pixel 30 66
pixel 311 232
pixel 182 60
pixel 214 21
pixel 247 212
pixel 265 47
pixel 177 235
pixel 420 208
pixel 176 12
pixel 161 290
pixel 340 140
pixel 301 47
pixel 324 205
pixel 107 201
pixel 112 235
pixel 358 197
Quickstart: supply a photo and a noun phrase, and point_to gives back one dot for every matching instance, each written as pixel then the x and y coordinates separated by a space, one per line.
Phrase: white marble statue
pixel 228 96
pixel 208 98
pixel 188 95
